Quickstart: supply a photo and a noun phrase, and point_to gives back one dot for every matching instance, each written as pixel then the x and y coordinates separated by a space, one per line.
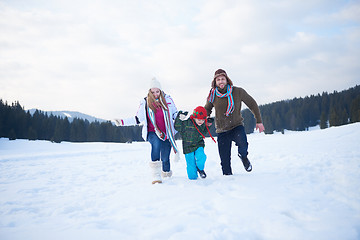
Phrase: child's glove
pixel 118 122
pixel 182 115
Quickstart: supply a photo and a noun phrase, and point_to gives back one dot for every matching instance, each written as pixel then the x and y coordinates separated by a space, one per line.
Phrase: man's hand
pixel 260 126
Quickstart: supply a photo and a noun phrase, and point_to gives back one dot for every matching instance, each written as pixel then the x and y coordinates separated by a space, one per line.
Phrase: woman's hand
pixel 118 122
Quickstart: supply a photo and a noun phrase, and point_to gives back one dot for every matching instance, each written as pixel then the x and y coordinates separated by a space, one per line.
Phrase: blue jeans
pixel 160 150
pixel 193 160
pixel 225 140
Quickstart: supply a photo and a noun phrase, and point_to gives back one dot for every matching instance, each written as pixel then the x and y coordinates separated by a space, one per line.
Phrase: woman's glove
pixel 176 157
pixel 118 122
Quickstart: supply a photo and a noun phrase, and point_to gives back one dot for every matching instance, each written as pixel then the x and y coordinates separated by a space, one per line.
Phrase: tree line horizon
pixel 297 114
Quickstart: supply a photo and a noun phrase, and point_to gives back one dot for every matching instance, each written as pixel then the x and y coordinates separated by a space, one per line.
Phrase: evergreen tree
pixel 334 119
pixel 323 121
pixel 355 110
pixel 59 131
pixel 32 135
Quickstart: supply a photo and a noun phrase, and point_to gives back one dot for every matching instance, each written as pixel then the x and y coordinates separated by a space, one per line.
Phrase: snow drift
pixel 304 185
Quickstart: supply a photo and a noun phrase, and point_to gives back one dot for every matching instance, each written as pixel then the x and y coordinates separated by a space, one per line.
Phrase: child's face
pixel 199 121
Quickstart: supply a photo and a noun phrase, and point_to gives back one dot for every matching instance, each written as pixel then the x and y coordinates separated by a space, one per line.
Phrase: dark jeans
pixel 160 150
pixel 225 140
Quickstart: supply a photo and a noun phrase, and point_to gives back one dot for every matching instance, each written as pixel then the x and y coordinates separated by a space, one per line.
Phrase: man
pixel 227 100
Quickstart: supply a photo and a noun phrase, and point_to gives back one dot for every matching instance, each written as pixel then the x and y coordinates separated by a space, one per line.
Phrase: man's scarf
pixel 228 94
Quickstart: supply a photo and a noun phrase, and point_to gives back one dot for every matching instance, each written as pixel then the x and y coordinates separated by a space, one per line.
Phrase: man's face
pixel 221 81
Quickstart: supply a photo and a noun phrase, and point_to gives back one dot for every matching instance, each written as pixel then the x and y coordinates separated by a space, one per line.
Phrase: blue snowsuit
pixel 193 145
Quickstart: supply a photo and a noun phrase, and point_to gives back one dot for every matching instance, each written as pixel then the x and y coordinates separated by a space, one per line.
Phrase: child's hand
pixel 182 115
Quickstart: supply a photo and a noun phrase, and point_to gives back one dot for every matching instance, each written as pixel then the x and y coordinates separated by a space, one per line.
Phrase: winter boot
pixel 166 174
pixel 246 163
pixel 156 171
pixel 201 173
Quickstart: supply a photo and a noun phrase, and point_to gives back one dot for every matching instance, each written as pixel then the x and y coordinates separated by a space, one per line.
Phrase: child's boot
pixel 201 173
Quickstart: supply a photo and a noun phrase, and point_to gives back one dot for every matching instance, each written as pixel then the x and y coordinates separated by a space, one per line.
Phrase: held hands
pixel 118 122
pixel 209 121
pixel 261 127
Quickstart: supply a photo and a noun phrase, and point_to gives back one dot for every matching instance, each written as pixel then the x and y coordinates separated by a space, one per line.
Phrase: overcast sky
pixel 98 57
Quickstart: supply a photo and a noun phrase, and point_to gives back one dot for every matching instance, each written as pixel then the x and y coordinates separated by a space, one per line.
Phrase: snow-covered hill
pixel 304 185
pixel 71 115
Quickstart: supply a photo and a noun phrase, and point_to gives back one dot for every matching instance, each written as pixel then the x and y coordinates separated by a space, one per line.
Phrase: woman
pixel 157 112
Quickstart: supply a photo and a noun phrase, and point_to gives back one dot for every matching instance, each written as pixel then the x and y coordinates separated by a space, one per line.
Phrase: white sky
pixel 98 57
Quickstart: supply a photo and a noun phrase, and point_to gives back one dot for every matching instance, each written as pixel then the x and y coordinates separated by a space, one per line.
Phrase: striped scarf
pixel 228 94
pixel 170 131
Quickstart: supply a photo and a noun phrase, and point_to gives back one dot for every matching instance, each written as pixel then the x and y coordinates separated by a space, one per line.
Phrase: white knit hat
pixel 155 83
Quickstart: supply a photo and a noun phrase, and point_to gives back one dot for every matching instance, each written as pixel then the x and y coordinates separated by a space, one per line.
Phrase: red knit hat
pixel 199 113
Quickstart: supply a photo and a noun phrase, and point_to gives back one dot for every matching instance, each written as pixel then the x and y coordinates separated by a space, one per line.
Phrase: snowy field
pixel 304 185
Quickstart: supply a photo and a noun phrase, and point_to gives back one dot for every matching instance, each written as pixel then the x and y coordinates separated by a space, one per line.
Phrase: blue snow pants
pixel 193 160
pixel 160 150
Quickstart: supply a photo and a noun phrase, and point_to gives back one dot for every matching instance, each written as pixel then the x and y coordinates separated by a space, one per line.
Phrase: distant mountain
pixel 70 115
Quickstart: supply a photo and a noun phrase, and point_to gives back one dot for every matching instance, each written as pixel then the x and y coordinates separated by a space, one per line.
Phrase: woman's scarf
pixel 170 131
pixel 228 94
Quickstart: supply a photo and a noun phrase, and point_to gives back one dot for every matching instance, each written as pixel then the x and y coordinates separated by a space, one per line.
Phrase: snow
pixel 67 115
pixel 304 185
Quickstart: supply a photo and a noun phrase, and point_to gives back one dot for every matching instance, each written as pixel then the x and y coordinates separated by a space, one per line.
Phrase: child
pixel 192 131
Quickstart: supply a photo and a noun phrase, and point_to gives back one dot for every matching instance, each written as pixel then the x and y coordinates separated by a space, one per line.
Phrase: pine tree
pixel 355 110
pixel 323 121
pixel 32 135
pixel 58 133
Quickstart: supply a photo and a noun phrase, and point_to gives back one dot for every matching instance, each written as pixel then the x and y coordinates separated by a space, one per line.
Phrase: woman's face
pixel 221 81
pixel 156 92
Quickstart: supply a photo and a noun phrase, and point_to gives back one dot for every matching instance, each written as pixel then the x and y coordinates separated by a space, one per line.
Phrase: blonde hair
pixel 153 104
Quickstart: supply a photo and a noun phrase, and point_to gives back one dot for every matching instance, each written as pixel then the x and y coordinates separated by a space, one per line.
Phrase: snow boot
pixel 201 173
pixel 246 163
pixel 156 171
pixel 166 174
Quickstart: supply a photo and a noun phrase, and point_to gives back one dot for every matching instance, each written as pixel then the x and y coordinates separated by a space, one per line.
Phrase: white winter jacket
pixel 141 116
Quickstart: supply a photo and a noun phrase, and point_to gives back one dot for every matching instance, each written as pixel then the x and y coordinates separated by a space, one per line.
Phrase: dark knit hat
pixel 199 113
pixel 220 72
